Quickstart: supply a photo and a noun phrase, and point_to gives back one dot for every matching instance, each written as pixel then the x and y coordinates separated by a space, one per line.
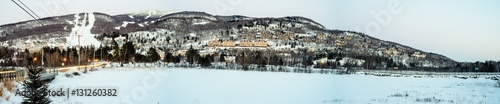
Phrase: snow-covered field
pixel 207 86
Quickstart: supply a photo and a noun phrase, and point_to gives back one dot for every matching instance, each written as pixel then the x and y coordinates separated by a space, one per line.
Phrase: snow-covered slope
pixel 80 33
pixel 64 31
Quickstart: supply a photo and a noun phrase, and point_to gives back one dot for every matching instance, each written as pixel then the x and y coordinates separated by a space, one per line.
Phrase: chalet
pixel 418 55
pixel 392 51
pixel 221 43
pixel 260 43
pixel 321 41
pixel 228 43
pixel 246 43
pixel 306 39
pixel 339 43
pixel 266 35
pixel 321 36
pixel 215 43
pixel 348 37
pixel 249 36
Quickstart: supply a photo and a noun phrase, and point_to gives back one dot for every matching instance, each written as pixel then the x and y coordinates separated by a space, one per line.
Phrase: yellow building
pixel 260 43
pixel 266 35
pixel 320 41
pixel 228 43
pixel 214 43
pixel 249 36
pixel 392 51
pixel 418 55
pixel 321 36
pixel 246 43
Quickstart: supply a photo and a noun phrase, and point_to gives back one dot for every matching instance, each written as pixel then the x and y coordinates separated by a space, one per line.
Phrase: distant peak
pixel 155 13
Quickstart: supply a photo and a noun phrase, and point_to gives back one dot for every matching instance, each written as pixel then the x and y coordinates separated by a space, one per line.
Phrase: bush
pixel 498 83
pixel 400 95
pixel 8 85
pixel 68 75
pixel 76 74
pixel 433 99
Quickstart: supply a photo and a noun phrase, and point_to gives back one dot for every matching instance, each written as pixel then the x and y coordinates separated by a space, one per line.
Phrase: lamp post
pixel 78 49
pixel 93 50
pixel 42 57
pixel 64 61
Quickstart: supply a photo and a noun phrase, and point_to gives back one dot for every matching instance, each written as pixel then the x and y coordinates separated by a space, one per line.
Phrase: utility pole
pixel 78 49
pixel 101 51
pixel 42 58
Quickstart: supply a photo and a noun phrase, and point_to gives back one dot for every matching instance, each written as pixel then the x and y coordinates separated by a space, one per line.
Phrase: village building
pixel 339 43
pixel 221 43
pixel 228 43
pixel 392 51
pixel 246 43
pixel 321 41
pixel 260 43
pixel 321 36
pixel 249 36
pixel 418 55
pixel 214 43
pixel 266 35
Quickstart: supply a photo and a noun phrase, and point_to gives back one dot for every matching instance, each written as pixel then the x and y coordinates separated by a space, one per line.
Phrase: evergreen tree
pixel 222 59
pixel 37 87
pixel 168 57
pixel 192 55
pixel 153 55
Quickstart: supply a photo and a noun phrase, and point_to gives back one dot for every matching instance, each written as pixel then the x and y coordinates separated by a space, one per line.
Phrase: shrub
pixel 498 83
pixel 400 95
pixel 8 85
pixel 76 74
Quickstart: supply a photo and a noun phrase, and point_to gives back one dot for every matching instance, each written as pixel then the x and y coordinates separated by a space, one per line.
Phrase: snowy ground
pixel 203 86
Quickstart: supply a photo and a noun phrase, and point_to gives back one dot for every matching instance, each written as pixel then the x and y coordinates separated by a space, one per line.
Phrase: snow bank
pixel 72 70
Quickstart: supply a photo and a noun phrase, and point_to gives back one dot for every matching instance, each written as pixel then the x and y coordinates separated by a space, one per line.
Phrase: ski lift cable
pixel 50 12
pixel 29 9
pixel 63 6
pixel 55 7
pixel 24 9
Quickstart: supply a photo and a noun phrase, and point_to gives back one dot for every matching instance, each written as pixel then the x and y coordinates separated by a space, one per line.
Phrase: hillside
pixel 162 30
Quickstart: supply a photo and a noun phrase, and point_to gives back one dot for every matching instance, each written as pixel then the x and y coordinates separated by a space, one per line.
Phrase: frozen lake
pixel 207 86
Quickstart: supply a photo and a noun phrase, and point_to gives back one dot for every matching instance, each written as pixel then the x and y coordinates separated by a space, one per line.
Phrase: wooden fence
pixel 21 74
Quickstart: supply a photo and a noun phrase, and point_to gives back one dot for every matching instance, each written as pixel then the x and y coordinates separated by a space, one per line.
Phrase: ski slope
pixel 207 86
pixel 81 29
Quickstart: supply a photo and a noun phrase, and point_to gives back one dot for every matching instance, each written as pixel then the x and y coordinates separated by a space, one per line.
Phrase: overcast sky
pixel 464 30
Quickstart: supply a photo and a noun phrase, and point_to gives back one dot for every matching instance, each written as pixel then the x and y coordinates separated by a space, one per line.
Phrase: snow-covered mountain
pixel 181 29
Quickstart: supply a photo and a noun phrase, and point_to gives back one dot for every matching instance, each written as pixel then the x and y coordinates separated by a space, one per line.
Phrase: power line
pixel 46 7
pixel 29 9
pixel 24 9
pixel 55 7
pixel 63 6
